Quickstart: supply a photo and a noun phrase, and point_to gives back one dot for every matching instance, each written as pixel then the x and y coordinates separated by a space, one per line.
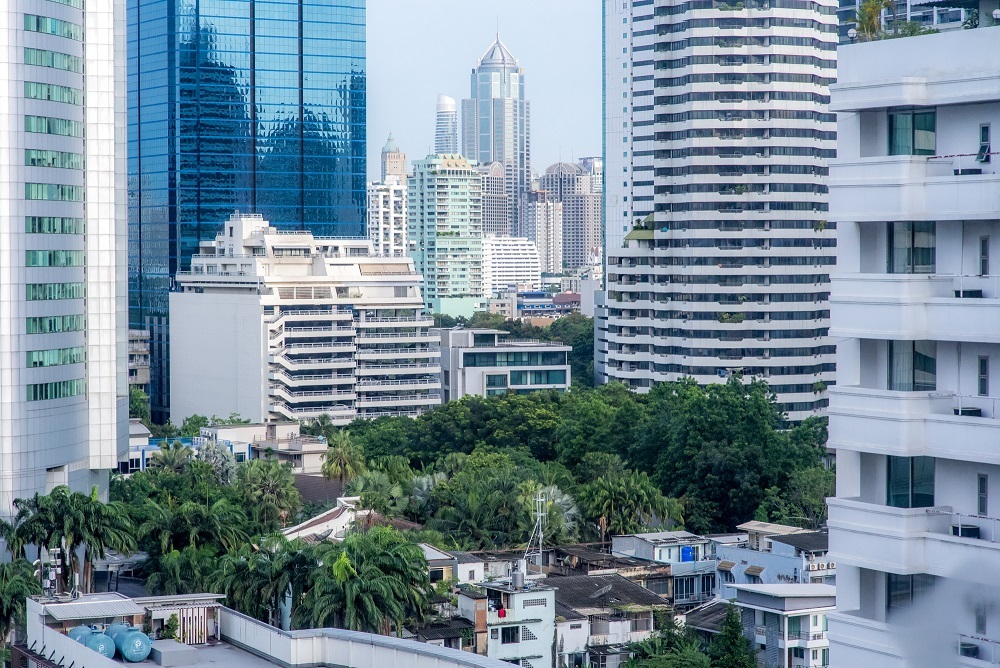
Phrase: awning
pixel 754 570
pixel 726 565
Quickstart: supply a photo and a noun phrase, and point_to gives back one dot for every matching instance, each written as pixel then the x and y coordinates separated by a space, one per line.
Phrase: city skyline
pixel 556 27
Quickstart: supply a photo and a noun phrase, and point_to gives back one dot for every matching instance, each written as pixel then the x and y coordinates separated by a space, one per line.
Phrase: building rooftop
pixel 770 528
pixel 439 630
pixel 800 590
pixel 431 553
pixel 498 55
pixel 668 537
pixel 92 606
pixel 813 541
pixel 708 617
pixel 581 592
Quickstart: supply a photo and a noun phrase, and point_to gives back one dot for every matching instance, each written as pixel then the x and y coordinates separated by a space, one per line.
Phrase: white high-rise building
pixel 915 414
pixel 446 128
pixel 718 252
pixel 496 207
pixel 278 325
pixel 445 230
pixel 510 261
pixel 496 123
pixel 579 190
pixel 63 292
pixel 387 204
pixel 542 222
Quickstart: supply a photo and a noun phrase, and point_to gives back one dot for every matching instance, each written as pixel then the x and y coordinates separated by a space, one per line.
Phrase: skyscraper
pixel 393 162
pixel 387 204
pixel 496 201
pixel 446 130
pixel 445 229
pixel 575 187
pixel 63 322
pixel 542 222
pixel 717 136
pixel 914 413
pixel 253 106
pixel 495 123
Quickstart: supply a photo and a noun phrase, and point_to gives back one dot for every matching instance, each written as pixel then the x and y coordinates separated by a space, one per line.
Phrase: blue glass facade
pixel 249 105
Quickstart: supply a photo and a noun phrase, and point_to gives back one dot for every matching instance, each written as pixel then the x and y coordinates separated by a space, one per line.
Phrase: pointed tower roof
pixel 498 55
pixel 390 145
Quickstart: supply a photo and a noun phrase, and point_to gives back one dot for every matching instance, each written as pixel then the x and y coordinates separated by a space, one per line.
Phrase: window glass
pixel 912 132
pixel 911 247
pixel 910 482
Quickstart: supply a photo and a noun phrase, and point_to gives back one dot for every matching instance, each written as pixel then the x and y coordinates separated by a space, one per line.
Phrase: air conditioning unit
pixel 813 567
pixel 832 564
pixel 822 567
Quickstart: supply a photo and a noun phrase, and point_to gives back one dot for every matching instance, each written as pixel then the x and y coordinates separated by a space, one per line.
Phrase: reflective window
pixel 50 26
pixel 910 482
pixel 912 132
pixel 42 91
pixel 55 59
pixel 53 225
pixel 54 258
pixel 55 357
pixel 57 390
pixel 911 247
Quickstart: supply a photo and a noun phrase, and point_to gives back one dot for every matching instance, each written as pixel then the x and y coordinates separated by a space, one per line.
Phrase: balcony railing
pixel 760 630
pixel 807 635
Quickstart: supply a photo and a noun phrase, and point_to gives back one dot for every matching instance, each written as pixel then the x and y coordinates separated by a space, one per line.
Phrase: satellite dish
pixel 601 592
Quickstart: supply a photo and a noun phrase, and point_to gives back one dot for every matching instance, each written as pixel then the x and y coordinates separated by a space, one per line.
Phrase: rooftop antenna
pixel 536 541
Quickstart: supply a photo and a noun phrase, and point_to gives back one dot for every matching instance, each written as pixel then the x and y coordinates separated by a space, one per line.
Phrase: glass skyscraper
pixel 237 105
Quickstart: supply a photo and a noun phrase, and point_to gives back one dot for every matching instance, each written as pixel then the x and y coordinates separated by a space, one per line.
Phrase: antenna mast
pixel 536 541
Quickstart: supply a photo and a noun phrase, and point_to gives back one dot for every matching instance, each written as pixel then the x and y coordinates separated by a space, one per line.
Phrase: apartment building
pixel 510 262
pixel 773 554
pixel 282 325
pixel 788 623
pixel 138 359
pixel 387 204
pixel 914 415
pixel 514 619
pixel 445 232
pixel 717 243
pixel 542 222
pixel 484 363
pixel 579 191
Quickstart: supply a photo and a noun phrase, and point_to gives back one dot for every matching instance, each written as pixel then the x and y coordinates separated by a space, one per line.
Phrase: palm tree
pixel 267 487
pixel 17 582
pixel 623 503
pixel 171 457
pixel 13 537
pixel 320 426
pixel 188 571
pixel 379 494
pixel 344 459
pixel 869 18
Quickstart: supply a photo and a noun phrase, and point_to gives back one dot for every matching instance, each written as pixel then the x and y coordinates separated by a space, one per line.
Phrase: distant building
pixel 495 123
pixel 509 261
pixel 542 222
pixel 481 362
pixel 579 191
pixel 446 127
pixel 537 306
pixel 496 201
pixel 387 204
pixel 393 162
pixel 285 326
pixel 691 559
pixel 774 554
pixel 787 623
pixel 138 359
pixel 445 229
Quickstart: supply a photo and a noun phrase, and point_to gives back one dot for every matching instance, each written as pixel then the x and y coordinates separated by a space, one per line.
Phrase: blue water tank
pixel 101 643
pixel 134 646
pixel 112 630
pixel 80 633
pixel 687 553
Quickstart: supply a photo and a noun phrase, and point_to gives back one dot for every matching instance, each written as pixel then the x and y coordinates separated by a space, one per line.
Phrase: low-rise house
pixel 787 622
pixel 691 559
pixel 774 554
pixel 618 612
pixel 590 559
pixel 441 566
pixel 572 637
pixel 514 619
pixel 455 633
pixel 469 568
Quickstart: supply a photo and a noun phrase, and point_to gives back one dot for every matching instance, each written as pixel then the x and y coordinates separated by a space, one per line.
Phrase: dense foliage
pixel 708 457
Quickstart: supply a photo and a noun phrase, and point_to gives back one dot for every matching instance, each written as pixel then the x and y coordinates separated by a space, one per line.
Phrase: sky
pixel 419 48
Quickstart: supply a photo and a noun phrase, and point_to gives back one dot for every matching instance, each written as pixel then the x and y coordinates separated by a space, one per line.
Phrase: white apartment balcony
pixel 387 321
pixel 310 379
pixel 913 187
pixel 375 385
pixel 916 306
pixel 910 540
pixel 382 400
pixel 394 353
pixel 300 363
pixel 325 330
pixel 392 369
pixel 908 424
pixel 340 415
pixel 291 316
pixel 395 337
pixel 294 396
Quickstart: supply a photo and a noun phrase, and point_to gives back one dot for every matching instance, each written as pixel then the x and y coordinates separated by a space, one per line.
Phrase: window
pixel 53 192
pixel 43 91
pixel 911 247
pixel 57 159
pixel 903 590
pixel 798 652
pixel 51 26
pixel 54 59
pixel 984 143
pixel 984 376
pixel 912 132
pixel 496 380
pixel 53 225
pixel 55 357
pixel 728 577
pixel 983 505
pixel 534 602
pixel 912 366
pixel 576 626
pixel 53 258
pixel 980 618
pixel 58 390
pixel 53 324
pixel 910 482
pixel 472 575
pixel 47 291
pixel 510 635
pixel 984 256
pixel 436 574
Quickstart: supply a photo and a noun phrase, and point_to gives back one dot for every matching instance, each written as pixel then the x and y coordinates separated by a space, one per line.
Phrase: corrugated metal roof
pixel 726 565
pixel 93 609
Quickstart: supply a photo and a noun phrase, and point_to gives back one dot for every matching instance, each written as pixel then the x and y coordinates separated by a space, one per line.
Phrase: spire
pixel 498 55
pixel 390 145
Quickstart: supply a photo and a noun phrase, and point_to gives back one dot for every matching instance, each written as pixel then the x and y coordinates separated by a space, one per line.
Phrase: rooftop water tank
pixel 134 646
pixel 80 633
pixel 102 644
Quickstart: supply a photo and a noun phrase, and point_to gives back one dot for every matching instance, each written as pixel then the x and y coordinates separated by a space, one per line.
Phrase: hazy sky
pixel 419 48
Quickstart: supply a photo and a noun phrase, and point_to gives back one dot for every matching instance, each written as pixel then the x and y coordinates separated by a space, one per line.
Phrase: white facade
pixel 481 362
pixel 63 290
pixel 446 127
pixel 387 218
pixel 579 191
pixel 279 325
pixel 717 146
pixel 445 229
pixel 542 222
pixel 496 201
pixel 521 623
pixel 509 261
pixel 913 417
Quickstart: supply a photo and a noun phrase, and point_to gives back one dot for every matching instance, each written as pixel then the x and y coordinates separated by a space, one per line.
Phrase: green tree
pixel 343 460
pixel 267 487
pixel 192 425
pixel 627 502
pixel 173 456
pixel 187 571
pixel 17 583
pixel 220 458
pixel 373 581
pixel 577 330
pixel 138 404
pixel 379 493
pixel 730 648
